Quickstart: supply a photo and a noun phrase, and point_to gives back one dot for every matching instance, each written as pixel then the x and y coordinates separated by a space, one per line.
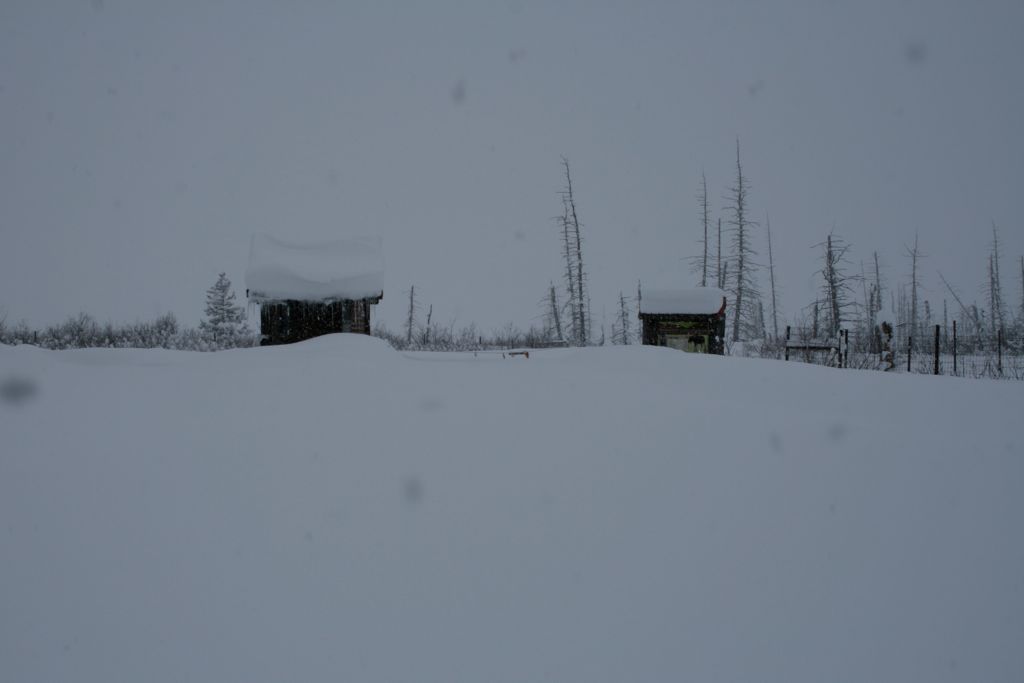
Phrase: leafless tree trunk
pixel 878 285
pixel 771 275
pixel 945 321
pixel 410 323
pixel 1022 291
pixel 622 333
pixel 744 288
pixel 426 329
pixel 831 279
pixel 718 259
pixel 555 314
pixel 913 254
pixel 574 262
pixel 970 314
pixel 995 286
pixel 836 282
pixel 705 216
pixel 992 299
pixel 570 272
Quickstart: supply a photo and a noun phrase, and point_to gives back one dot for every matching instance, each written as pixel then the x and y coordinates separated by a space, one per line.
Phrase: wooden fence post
pixel 936 349
pixel 910 349
pixel 787 342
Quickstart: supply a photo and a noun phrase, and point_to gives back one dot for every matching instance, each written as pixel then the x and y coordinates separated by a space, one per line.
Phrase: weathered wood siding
pixel 657 326
pixel 287 322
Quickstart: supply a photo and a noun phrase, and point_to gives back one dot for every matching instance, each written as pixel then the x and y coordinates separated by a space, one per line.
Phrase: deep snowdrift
pixel 335 510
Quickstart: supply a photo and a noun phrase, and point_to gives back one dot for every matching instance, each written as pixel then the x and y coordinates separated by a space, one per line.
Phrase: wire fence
pixel 940 352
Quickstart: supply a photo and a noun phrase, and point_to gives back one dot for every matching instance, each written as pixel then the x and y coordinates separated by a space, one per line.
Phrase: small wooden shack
pixel 304 291
pixel 686 319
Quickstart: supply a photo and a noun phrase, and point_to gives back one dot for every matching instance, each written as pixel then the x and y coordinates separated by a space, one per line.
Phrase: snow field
pixel 337 510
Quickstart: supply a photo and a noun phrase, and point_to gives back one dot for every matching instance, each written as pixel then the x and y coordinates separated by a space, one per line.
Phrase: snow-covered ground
pixel 335 510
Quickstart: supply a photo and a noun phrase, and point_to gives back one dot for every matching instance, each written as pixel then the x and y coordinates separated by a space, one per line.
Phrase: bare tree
pixel 410 323
pixel 554 313
pixel 701 262
pixel 570 272
pixel 836 286
pixel 998 316
pixel 718 258
pixel 579 303
pixel 581 293
pixel 914 254
pixel 425 333
pixel 878 285
pixel 1022 292
pixel 771 275
pixel 945 321
pixel 621 330
pixel 744 284
pixel 970 314
pixel 873 304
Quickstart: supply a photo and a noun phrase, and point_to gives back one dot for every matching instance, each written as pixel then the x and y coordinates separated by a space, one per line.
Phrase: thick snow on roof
pixel 351 268
pixel 701 301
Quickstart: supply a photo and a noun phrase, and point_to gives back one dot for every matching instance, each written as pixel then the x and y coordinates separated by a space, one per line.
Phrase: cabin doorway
pixel 693 343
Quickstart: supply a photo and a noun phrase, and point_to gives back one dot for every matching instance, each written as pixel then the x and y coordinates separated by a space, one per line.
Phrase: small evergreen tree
pixel 224 318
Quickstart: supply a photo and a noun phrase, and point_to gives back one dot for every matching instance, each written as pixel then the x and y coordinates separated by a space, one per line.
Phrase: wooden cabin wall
pixel 287 322
pixel 653 326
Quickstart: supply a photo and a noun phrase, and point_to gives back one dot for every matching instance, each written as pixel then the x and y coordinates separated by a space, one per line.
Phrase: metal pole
pixel 787 342
pixel 910 349
pixel 936 349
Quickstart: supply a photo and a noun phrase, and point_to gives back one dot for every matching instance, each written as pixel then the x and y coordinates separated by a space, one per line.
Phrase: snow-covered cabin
pixel 308 290
pixel 685 319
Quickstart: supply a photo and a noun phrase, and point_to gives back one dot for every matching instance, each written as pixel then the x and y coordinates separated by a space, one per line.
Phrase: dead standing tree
pixel 913 254
pixel 771 276
pixel 744 284
pixel 410 323
pixel 576 277
pixel 997 318
pixel 700 263
pixel 1022 293
pixel 836 283
pixel 970 314
pixel 553 312
pixel 621 329
pixel 570 272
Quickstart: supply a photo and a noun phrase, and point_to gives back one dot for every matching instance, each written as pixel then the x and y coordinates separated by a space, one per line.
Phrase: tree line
pixel 851 297
pixel 223 327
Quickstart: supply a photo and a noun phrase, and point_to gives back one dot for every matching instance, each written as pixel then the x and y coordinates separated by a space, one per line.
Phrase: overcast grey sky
pixel 142 143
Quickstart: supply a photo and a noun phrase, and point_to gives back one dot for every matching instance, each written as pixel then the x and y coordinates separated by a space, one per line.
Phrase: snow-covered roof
pixel 700 301
pixel 351 268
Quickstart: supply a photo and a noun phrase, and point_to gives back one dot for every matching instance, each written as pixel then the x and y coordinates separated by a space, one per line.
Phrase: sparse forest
pixel 858 318
pixel 224 327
